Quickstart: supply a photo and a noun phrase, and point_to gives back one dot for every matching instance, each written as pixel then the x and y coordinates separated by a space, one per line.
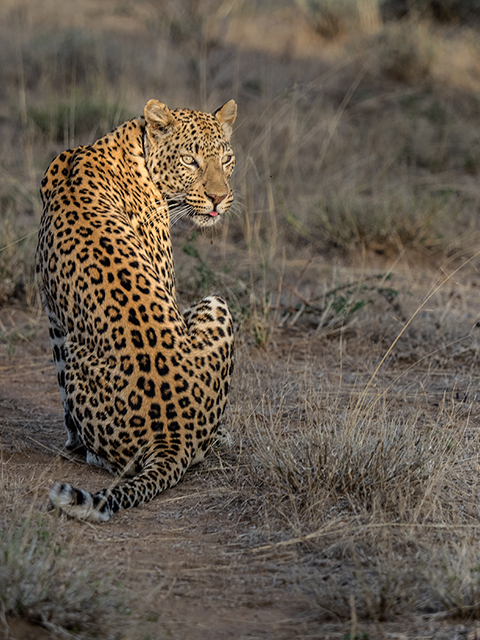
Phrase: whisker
pixel 179 210
pixel 237 209
pixel 175 208
pixel 157 210
pixel 238 195
pixel 184 212
pixel 181 206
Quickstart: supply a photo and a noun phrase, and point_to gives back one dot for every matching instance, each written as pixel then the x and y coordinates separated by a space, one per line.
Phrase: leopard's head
pixel 189 158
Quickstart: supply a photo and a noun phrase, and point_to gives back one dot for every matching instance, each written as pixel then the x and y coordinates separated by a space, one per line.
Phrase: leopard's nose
pixel 215 198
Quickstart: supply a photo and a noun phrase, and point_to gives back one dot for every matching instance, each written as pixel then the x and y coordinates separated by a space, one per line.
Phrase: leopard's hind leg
pixel 210 327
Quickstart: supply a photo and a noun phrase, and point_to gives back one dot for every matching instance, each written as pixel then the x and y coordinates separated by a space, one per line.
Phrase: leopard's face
pixel 191 160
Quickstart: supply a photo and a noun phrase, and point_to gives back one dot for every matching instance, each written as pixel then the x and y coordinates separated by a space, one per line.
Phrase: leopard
pixel 143 385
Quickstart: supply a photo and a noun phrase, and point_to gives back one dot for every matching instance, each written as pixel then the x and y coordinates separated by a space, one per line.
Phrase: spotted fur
pixel 143 386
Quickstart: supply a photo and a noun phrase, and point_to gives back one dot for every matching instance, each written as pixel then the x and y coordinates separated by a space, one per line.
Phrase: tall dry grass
pixel 373 497
pixel 368 147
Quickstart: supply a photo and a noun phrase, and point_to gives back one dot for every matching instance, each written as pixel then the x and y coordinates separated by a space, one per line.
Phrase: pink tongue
pixel 213 213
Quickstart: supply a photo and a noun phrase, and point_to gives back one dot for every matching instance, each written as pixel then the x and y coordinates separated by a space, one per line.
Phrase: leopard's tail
pixel 99 507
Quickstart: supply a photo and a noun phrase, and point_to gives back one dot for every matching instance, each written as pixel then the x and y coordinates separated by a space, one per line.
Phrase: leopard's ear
pixel 226 116
pixel 158 116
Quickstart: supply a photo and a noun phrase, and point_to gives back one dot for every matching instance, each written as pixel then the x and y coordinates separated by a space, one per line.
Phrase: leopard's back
pixel 143 386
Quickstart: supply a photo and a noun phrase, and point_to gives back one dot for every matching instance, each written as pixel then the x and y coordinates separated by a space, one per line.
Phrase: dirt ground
pixel 188 564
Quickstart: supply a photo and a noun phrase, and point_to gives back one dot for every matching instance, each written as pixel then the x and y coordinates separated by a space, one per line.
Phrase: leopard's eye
pixel 227 159
pixel 189 161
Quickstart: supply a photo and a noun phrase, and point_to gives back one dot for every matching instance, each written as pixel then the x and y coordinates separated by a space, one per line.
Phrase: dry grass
pixel 41 580
pixel 358 172
pixel 373 493
pixel 39 583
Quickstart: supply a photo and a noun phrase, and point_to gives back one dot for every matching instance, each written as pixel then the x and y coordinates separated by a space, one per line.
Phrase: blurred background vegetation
pixel 357 139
